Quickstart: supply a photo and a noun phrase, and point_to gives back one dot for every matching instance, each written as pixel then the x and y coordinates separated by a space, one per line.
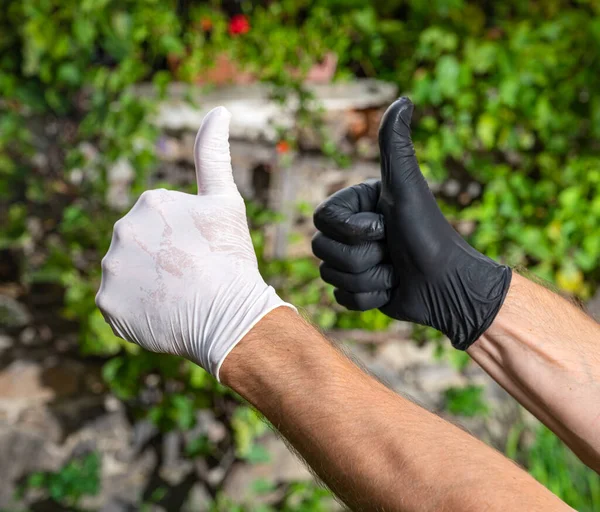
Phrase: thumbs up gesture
pixel 386 244
pixel 181 275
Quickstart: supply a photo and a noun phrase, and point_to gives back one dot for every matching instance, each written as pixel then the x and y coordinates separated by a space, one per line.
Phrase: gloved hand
pixel 386 244
pixel 181 276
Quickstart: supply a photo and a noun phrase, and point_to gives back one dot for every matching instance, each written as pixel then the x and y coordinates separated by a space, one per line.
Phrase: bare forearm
pixel 546 353
pixel 375 450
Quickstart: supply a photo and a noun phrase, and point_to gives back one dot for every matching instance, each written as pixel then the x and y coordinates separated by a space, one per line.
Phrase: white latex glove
pixel 181 276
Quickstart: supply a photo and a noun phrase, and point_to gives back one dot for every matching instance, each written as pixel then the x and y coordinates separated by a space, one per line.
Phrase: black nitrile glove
pixel 386 244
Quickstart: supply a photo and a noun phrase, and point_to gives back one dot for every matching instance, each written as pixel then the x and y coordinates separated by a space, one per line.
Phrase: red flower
pixel 283 146
pixel 239 24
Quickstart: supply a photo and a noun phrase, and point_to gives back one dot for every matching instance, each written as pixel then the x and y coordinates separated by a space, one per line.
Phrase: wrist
pixel 260 347
pixel 240 313
pixel 507 310
pixel 280 348
pixel 489 288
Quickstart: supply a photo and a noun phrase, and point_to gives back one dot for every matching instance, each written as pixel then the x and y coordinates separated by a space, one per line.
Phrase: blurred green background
pixel 506 98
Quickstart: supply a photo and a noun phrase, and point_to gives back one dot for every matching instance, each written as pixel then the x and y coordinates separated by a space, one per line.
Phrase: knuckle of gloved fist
pixel 322 245
pixel 327 273
pixel 103 303
pixel 341 297
pixel 349 301
pixel 152 197
pixel 373 300
pixel 110 265
pixel 361 302
pixel 316 243
pixel 328 215
pixel 104 265
pixel 118 230
pixel 145 197
pixel 326 249
pixel 122 230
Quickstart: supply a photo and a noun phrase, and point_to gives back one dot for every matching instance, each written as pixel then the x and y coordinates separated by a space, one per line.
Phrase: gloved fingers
pixel 377 278
pixel 399 165
pixel 123 236
pixel 211 154
pixel 350 215
pixel 362 301
pixel 348 258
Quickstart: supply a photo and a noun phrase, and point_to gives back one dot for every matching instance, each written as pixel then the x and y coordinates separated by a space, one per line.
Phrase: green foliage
pixel 299 497
pixel 175 411
pixel 78 478
pixel 199 447
pixel 467 401
pixel 557 468
pixel 304 497
pixel 248 425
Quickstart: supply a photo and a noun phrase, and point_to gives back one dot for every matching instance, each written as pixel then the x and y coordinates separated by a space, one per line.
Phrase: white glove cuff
pixel 267 301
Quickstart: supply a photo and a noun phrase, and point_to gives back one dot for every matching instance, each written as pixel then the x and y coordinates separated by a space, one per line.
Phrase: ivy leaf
pixel 69 73
pixel 447 75
pixel 487 127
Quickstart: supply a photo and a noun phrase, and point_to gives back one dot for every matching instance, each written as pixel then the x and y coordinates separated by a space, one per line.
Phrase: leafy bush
pixel 505 95
pixel 551 463
pixel 78 478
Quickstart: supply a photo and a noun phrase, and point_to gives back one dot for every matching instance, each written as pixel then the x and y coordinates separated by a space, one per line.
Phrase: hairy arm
pixel 373 448
pixel 546 353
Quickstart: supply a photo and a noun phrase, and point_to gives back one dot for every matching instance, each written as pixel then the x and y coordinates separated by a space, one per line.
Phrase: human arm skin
pixel 546 353
pixel 375 449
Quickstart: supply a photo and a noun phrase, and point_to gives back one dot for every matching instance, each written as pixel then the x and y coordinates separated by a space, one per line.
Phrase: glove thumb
pixel 399 167
pixel 211 155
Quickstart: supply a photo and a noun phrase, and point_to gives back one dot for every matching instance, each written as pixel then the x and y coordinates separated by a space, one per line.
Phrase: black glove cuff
pixel 468 333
